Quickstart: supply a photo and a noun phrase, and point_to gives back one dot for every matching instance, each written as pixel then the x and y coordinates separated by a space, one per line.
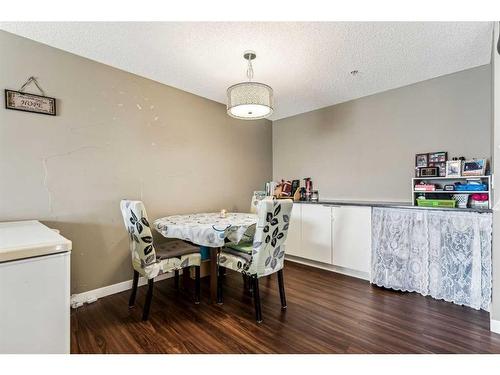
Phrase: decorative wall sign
pixel 22 101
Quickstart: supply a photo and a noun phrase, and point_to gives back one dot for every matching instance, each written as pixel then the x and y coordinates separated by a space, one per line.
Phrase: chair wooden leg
pixel 149 297
pixel 245 282
pixel 256 299
pixel 214 265
pixel 197 285
pixel 176 279
pixel 186 278
pixel 281 285
pixel 131 301
pixel 219 285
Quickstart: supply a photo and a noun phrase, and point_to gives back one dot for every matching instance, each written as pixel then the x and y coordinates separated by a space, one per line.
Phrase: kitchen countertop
pixel 328 202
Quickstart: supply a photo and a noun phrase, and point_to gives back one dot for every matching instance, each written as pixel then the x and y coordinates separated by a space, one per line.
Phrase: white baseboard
pixel 330 267
pixel 495 325
pixel 90 296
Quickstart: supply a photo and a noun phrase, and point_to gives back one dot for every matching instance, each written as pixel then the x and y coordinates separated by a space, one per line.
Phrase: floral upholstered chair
pixel 265 255
pixel 150 260
pixel 256 198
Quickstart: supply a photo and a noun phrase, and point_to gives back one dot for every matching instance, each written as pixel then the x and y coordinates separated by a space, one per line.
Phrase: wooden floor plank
pixel 327 313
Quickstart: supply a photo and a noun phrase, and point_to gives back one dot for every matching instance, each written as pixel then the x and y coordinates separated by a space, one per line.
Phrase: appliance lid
pixel 27 239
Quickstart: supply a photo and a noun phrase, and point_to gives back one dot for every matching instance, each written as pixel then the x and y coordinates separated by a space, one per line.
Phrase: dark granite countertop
pixel 408 205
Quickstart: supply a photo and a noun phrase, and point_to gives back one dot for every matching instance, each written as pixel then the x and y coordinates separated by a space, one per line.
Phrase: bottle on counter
pixel 309 186
pixel 302 193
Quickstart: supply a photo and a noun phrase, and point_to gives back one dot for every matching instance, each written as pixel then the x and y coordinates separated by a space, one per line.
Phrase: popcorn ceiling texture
pixel 117 136
pixel 308 64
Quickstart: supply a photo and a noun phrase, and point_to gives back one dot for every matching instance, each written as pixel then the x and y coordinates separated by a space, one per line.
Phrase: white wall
pixel 117 135
pixel 365 149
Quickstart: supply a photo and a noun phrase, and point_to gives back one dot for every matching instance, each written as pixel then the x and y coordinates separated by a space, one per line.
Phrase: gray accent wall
pixel 364 149
pixel 116 136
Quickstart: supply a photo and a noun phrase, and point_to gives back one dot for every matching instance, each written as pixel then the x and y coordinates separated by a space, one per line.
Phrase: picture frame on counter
pixel 453 168
pixel 421 160
pixel 475 167
pixel 438 157
pixel 441 166
pixel 428 172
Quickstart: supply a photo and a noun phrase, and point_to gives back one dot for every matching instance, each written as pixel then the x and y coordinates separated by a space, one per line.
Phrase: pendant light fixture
pixel 249 100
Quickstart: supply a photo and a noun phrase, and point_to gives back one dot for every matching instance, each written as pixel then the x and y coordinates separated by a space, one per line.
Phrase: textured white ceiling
pixel 307 64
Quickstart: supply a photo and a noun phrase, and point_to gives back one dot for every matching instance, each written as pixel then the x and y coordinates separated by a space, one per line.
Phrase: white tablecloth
pixel 207 229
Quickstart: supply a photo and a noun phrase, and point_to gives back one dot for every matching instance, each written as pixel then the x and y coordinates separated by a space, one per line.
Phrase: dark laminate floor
pixel 327 313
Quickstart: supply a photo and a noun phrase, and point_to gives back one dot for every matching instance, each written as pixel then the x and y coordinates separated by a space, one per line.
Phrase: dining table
pixel 211 230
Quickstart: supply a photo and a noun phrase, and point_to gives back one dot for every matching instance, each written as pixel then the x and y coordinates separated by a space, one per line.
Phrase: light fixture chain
pixel 250 69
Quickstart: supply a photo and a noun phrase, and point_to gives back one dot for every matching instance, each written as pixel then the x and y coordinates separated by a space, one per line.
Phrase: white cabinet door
pixel 316 232
pixel 293 239
pixel 352 237
pixel 35 305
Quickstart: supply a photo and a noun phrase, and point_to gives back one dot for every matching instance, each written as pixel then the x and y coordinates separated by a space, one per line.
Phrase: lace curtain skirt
pixel 444 254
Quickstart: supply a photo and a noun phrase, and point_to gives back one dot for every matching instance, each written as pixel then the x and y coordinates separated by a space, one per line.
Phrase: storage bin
pixel 447 203
pixel 471 187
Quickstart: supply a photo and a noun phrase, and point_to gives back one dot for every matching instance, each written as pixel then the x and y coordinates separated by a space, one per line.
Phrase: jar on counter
pixel 314 196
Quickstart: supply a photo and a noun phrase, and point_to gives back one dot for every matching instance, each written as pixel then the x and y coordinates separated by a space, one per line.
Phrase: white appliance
pixel 34 289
